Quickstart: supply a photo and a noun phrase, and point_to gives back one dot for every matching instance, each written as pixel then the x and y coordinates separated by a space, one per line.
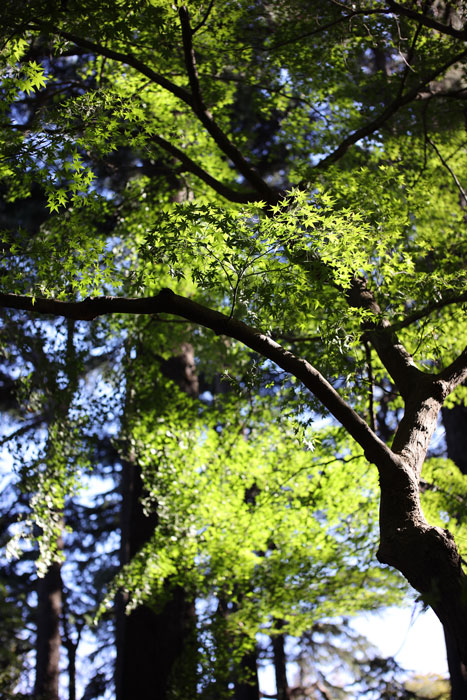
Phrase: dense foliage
pixel 289 176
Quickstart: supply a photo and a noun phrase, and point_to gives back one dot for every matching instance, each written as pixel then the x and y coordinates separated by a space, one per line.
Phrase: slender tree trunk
pixel 49 593
pixel 457 670
pixel 70 645
pixel 455 425
pixel 71 651
pixel 280 667
pixel 50 588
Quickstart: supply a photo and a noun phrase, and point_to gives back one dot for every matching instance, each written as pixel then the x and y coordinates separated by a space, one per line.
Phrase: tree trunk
pixel 248 687
pixel 455 425
pixel 427 556
pixel 150 645
pixel 49 594
pixel 280 667
pixel 457 670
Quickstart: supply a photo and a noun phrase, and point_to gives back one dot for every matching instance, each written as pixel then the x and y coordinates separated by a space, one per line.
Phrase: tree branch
pixel 205 18
pixel 378 122
pixel 221 139
pixel 219 187
pixel 427 310
pixel 190 58
pixel 22 430
pixel 130 60
pixel 449 169
pixel 396 359
pixel 396 7
pixel 323 28
pixel 211 126
pixel 456 372
pixel 167 302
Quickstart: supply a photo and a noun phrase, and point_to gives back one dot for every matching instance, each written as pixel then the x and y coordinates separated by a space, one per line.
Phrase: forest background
pixel 233 315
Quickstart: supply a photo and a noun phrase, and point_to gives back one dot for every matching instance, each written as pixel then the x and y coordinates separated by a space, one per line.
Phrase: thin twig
pixel 449 169
pixel 22 430
pixel 205 18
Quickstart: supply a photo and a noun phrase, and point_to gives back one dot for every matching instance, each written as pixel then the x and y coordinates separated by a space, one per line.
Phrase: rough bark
pixel 49 594
pixel 427 556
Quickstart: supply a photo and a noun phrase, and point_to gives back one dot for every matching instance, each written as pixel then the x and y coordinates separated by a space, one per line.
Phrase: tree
pixel 338 233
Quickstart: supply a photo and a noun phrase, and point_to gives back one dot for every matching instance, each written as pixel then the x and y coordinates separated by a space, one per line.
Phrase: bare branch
pixel 205 18
pixel 219 187
pixel 397 360
pixel 192 167
pixel 129 60
pixel 22 430
pixel 190 59
pixel 323 28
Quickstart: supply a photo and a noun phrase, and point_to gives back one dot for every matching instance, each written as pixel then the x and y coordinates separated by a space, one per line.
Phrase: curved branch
pixel 220 138
pixel 129 60
pixel 396 359
pixel 167 302
pixel 218 186
pixel 205 117
pixel 456 372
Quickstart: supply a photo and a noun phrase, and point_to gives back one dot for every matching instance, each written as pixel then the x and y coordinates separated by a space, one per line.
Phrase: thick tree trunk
pixel 148 644
pixel 248 687
pixel 427 556
pixel 49 594
pixel 455 424
pixel 151 647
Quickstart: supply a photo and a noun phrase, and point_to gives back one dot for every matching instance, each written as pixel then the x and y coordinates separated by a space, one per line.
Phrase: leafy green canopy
pixel 389 209
pixel 256 157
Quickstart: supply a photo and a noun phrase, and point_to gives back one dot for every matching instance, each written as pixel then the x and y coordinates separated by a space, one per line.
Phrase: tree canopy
pixel 277 188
